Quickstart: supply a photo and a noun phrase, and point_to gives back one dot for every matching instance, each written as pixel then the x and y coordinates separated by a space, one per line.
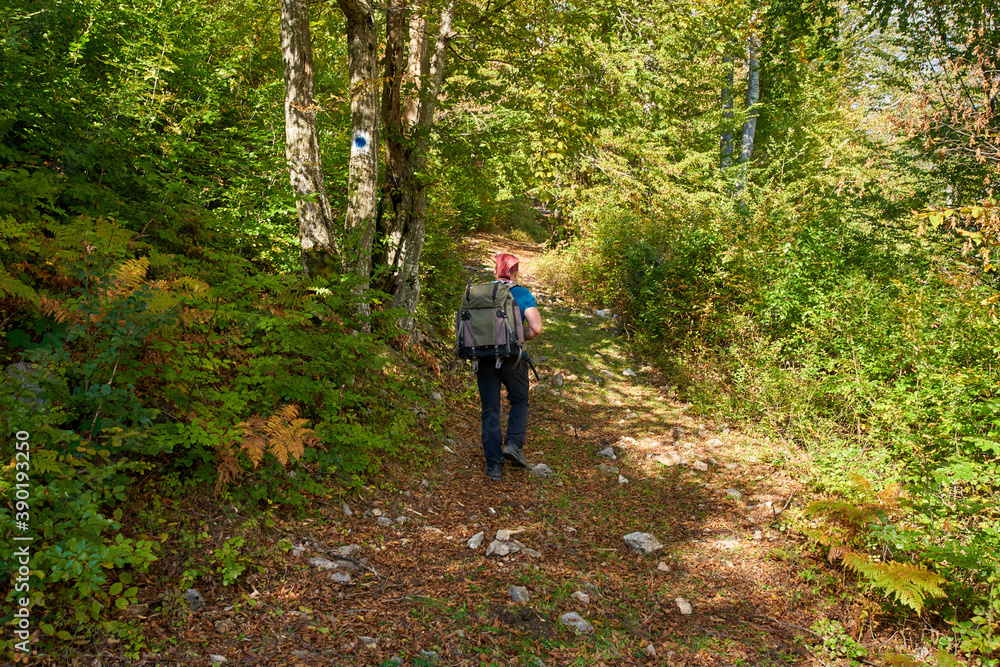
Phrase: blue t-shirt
pixel 522 297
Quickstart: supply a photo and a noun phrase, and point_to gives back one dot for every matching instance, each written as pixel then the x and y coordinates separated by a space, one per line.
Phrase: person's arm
pixel 534 321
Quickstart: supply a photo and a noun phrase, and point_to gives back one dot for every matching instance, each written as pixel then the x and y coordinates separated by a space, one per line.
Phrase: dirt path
pixel 416 586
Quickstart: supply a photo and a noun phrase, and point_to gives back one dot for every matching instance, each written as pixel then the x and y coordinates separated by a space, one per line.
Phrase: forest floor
pixel 419 595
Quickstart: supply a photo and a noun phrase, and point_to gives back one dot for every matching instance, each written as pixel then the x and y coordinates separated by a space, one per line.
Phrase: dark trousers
pixel 490 378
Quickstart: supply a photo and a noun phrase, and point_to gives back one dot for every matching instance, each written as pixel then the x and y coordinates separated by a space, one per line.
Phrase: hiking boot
pixel 513 454
pixel 494 470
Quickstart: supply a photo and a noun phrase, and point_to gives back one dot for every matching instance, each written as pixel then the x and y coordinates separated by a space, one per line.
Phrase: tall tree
pixel 408 114
pixel 753 97
pixel 305 166
pixel 727 112
pixel 362 183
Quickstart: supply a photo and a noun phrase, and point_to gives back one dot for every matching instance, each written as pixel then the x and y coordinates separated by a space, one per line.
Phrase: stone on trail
pixel 607 373
pixel 631 415
pixel 325 564
pixel 505 534
pixel 684 606
pixel 476 540
pixel 714 442
pixel 663 567
pixel 541 470
pixel 298 551
pixel 498 548
pixel 604 467
pixel 424 483
pixel 607 453
pixel 629 373
pixel 581 597
pixel 573 620
pixel 194 599
pixel 733 493
pixel 700 465
pixel 216 659
pixel 643 543
pixel 518 593
pixel 341 577
pixel 670 458
pixel 622 479
pixel 557 380
pixel 384 520
pixel 346 509
pixel 348 551
pixel 430 656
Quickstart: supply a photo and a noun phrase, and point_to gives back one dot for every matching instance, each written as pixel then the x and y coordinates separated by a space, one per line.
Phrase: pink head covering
pixel 505 264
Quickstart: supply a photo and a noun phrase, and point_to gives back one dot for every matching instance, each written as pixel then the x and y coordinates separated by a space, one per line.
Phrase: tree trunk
pixel 753 96
pixel 362 181
pixel 408 293
pixel 398 188
pixel 727 114
pixel 305 169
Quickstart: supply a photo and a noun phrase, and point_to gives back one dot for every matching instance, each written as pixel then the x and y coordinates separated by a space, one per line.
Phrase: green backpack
pixel 488 323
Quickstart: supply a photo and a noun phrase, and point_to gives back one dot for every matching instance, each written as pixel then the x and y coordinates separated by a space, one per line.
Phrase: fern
pixel 15 288
pixel 284 434
pixel 911 584
pixel 129 276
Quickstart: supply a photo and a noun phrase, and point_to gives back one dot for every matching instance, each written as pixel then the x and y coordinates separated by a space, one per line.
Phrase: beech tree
pixel 305 164
pixel 408 115
pixel 362 184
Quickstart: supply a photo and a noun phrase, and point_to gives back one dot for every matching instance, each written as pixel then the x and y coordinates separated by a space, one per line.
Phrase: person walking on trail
pixel 512 374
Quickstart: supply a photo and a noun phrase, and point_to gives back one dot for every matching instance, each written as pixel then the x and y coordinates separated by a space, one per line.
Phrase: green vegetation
pixel 831 280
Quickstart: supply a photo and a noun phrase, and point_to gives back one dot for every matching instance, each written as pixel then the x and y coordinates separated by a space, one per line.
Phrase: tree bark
pixel 305 168
pixel 408 292
pixel 727 114
pixel 753 97
pixel 398 188
pixel 362 181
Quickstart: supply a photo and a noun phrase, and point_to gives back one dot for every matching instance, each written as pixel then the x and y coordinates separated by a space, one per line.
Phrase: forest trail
pixel 417 587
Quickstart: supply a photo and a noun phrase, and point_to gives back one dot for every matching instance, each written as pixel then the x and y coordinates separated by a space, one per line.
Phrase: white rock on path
pixel 629 373
pixel 476 540
pixel 341 577
pixel 518 593
pixel 541 470
pixel 670 458
pixel 700 465
pixel 607 453
pixel 216 659
pixel 498 548
pixel 714 442
pixel 643 543
pixel 505 534
pixel 733 493
pixel 622 479
pixel 684 606
pixel 573 620
pixel 581 597
pixel 651 650
pixel 348 551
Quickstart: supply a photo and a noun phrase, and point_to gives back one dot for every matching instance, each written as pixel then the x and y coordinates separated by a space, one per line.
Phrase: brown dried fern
pixel 284 434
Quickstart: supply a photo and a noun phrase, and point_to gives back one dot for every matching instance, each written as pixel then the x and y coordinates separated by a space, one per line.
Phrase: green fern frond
pixel 911 584
pixel 15 288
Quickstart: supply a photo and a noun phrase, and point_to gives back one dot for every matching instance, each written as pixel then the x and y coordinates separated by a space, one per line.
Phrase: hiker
pixel 513 374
